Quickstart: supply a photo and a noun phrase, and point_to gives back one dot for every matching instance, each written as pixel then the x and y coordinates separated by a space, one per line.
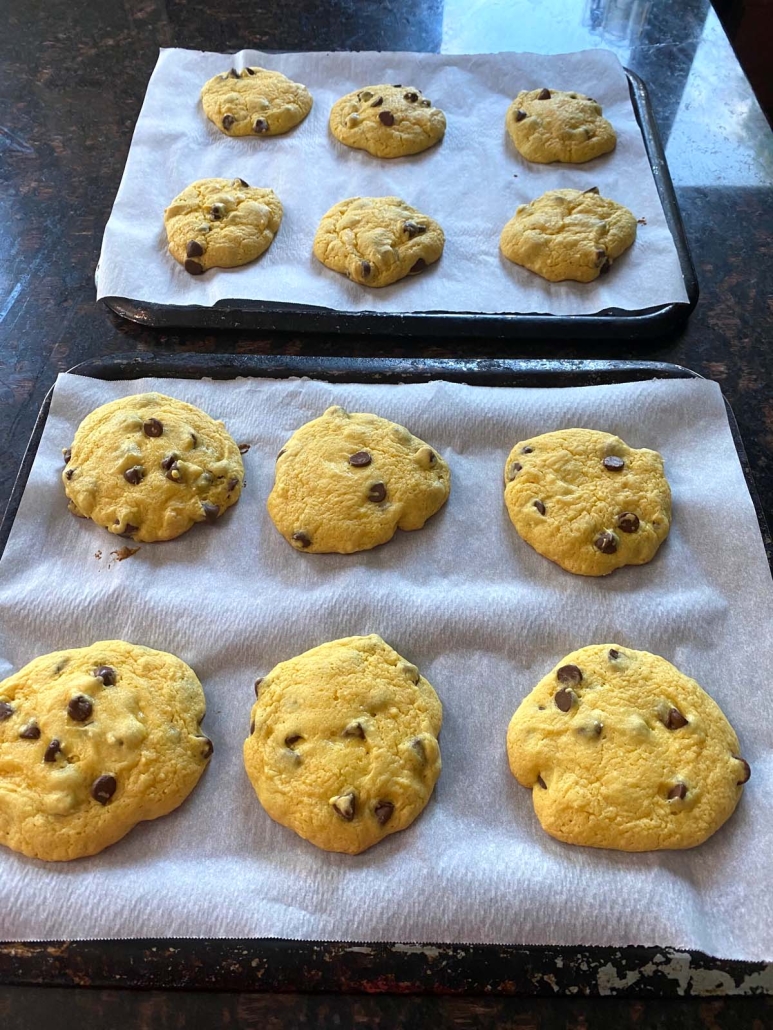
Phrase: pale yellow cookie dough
pixel 93 741
pixel 588 501
pixel 346 482
pixel 149 466
pixel 387 121
pixel 568 234
pixel 221 223
pixel 550 125
pixel 621 750
pixel 254 102
pixel 377 240
pixel 343 743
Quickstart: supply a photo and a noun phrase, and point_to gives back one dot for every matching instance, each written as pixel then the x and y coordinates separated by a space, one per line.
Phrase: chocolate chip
pixel 613 463
pixel 592 189
pixel 134 475
pixel 540 507
pixel 411 97
pixel 66 454
pixel 103 788
pixel 233 482
pixel 417 266
pixel 261 125
pixel 606 543
pixel 193 267
pixel 419 748
pixel 218 211
pixel 152 427
pixel 377 102
pixel 628 522
pixel 283 451
pixel 354 729
pixel 69 473
pixel 593 729
pixel 544 95
pixel 397 85
pixel 605 267
pixel 613 654
pixel 513 470
pixel 234 74
pixel 80 708
pixel 386 118
pixel 365 95
pixel 677 792
pixel 674 719
pixel 520 115
pixel 207 748
pixel 107 674
pixel 292 739
pixel 746 770
pixel 6 711
pixel 211 511
pixel 194 439
pixel 383 811
pixel 377 493
pixel 30 732
pixel 344 805
pixel 526 450
pixel 258 682
pixel 303 539
pixel 228 121
pixel 252 726
pixel 129 529
pixel 360 459
pixel 194 249
pixel 244 447
pixel 412 229
pixel 238 181
pixel 250 71
pixel 542 783
pixel 426 103
pixel 170 464
pixel 569 674
pixel 564 699
pixel 52 751
pixel 365 268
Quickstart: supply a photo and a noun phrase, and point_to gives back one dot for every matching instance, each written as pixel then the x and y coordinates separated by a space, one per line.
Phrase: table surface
pixel 72 78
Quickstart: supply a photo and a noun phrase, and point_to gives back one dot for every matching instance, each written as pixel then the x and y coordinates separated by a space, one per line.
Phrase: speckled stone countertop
pixel 72 79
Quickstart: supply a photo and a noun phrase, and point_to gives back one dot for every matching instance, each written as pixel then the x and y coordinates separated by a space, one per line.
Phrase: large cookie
pixel 549 125
pixel 149 466
pixel 92 742
pixel 346 482
pixel 621 750
pixel 568 234
pixel 221 223
pixel 377 240
pixel 588 501
pixel 254 102
pixel 387 121
pixel 343 743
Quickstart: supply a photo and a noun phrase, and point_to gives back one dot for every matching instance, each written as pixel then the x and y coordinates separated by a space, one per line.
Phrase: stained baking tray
pixel 284 965
pixel 614 322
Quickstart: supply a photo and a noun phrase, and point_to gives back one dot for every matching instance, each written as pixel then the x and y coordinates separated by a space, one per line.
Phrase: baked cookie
pixel 622 750
pixel 549 125
pixel 254 102
pixel 568 234
pixel 92 742
pixel 343 743
pixel 588 501
pixel 377 240
pixel 387 121
pixel 149 466
pixel 221 223
pixel 346 482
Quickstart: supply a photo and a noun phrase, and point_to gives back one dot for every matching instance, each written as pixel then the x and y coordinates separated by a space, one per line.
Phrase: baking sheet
pixel 481 614
pixel 472 182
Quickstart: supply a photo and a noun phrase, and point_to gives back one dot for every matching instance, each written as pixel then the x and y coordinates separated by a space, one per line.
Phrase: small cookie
pixel 549 125
pixel 346 482
pixel 149 466
pixel 588 501
pixel 221 223
pixel 387 121
pixel 377 240
pixel 254 102
pixel 568 234
pixel 343 743
pixel 621 750
pixel 93 741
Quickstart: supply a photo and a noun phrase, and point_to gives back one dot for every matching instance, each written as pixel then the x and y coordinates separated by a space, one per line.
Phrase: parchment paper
pixel 471 183
pixel 482 615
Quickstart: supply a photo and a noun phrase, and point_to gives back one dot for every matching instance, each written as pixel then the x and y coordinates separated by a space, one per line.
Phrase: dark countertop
pixel 73 77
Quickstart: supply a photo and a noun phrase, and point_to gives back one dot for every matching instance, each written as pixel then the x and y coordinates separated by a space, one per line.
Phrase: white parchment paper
pixel 482 615
pixel 471 183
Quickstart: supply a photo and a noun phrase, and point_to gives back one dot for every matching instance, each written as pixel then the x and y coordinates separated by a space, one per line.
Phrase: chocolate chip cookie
pixel 568 234
pixel 343 743
pixel 221 223
pixel 149 466
pixel 254 102
pixel 387 121
pixel 377 240
pixel 621 750
pixel 550 125
pixel 93 741
pixel 346 482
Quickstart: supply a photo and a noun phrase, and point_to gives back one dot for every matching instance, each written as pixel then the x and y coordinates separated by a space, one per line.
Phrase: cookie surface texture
pixel 221 223
pixel 588 501
pixel 377 240
pixel 343 743
pixel 346 482
pixel 254 102
pixel 549 125
pixel 568 234
pixel 621 750
pixel 149 466
pixel 387 121
pixel 93 741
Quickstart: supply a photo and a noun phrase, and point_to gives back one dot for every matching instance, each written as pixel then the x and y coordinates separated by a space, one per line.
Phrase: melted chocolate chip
pixel 67 454
pixel 354 729
pixel 569 674
pixel 564 699
pixel 605 267
pixel 103 788
pixel 303 539
pixel 261 125
pixel 129 529
pixel 252 726
pixel 244 447
pixel 52 751
pixel 513 469
pixel 412 229
pixel 613 654
pixel 417 266
pixel 544 95
pixel 292 739
pixel 606 543
pixel 258 682
pixel 365 95
pixel 377 102
pixel 30 732
pixel 228 121
pixel 233 482
pixel 542 783
pixel 419 748
pixel 207 748
pixel 411 97
pixel 592 189
pixel 194 249
pixel 677 792
pixel 426 103
pixel 134 475
pixel 386 118
pixel 152 427
pixel 211 511
pixel 107 674
pixel 377 493
pixel 365 268
pixel 360 459
pixel 628 522
pixel 520 115
pixel 6 711
pixel 383 811
pixel 234 74
pixel 540 507
pixel 345 805
pixel 194 439
pixel 69 473
pixel 746 770
pixel 613 463
pixel 80 708
pixel 193 267
pixel 674 719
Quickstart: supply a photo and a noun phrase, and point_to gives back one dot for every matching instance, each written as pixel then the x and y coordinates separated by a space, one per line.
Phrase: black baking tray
pixel 613 322
pixel 271 964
